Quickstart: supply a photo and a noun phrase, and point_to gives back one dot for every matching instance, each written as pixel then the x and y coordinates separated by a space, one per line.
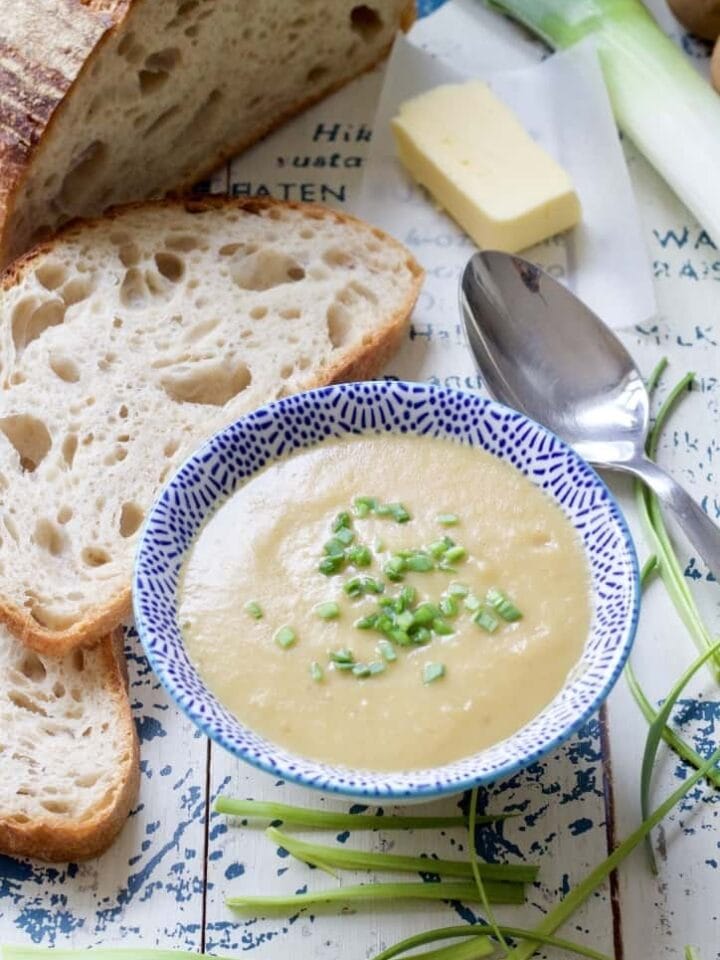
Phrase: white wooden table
pixel 164 882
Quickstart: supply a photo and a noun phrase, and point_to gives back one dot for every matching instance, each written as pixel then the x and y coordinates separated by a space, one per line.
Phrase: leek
pixel 660 102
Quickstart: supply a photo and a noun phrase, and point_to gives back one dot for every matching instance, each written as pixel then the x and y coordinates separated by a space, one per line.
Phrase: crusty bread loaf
pixel 68 750
pixel 104 101
pixel 127 340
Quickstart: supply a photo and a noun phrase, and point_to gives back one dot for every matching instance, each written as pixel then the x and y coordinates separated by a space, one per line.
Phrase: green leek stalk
pixel 660 102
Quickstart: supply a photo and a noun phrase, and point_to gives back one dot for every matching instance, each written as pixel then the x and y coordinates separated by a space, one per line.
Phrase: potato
pixel 701 17
pixel 715 66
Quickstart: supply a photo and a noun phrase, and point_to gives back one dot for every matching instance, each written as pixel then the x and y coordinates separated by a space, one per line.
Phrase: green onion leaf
pixel 448 607
pixel 399 513
pixel 447 519
pixel 394 568
pixel 253 609
pixel 376 667
pixel 342 521
pixel 425 613
pixel 486 621
pixel 458 590
pixel 454 554
pixel 367 623
pixel 361 670
pixel 364 506
pixel 441 627
pixel 341 656
pixel 328 610
pixel 316 672
pixel 407 597
pixel 386 651
pixel 472 603
pixel 345 536
pixel 285 637
pixel 479 931
pixel 334 548
pixel 404 620
pixel 330 565
pixel 433 672
pixel 472 845
pixel 500 602
pixel 420 563
pixel 420 636
pixel 359 556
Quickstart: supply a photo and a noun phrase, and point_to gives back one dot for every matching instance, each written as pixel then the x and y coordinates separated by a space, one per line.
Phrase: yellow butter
pixel 480 164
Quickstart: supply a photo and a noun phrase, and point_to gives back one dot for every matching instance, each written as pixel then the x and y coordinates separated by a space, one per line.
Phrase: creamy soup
pixel 386 602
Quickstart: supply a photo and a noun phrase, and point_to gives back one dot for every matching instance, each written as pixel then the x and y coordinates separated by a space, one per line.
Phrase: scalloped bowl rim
pixel 332 779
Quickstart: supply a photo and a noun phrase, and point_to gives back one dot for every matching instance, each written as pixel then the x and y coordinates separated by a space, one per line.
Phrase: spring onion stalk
pixel 655 735
pixel 330 820
pixel 673 739
pixel 513 893
pixel 691 953
pixel 663 105
pixel 479 947
pixel 482 930
pixel 477 873
pixel 579 894
pixel 649 508
pixel 348 859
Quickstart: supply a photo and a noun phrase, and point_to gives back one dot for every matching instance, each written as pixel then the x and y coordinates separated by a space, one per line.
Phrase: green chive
pixel 404 620
pixel 399 636
pixel 354 588
pixel 503 604
pixel 442 627
pixel 399 513
pixel 420 563
pixel 376 667
pixel 453 554
pixel 432 672
pixel 285 637
pixel 472 603
pixel 334 548
pixel 386 651
pixel 486 621
pixel 447 519
pixel 407 596
pixel 458 590
pixel 363 506
pixel 317 672
pixel 342 521
pixel 367 623
pixel 341 656
pixel 359 556
pixel 361 670
pixel 253 609
pixel 420 636
pixel 437 548
pixel 425 613
pixel 345 535
pixel 394 569
pixel 448 606
pixel 328 610
pixel 330 565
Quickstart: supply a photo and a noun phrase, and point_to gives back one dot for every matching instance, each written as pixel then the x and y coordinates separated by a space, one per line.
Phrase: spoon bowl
pixel 543 351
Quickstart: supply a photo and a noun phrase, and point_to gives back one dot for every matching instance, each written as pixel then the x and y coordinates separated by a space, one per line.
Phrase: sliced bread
pixel 105 101
pixel 68 750
pixel 127 340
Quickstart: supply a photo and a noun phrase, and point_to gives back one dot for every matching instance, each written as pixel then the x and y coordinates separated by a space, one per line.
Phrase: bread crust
pixel 53 838
pixel 46 66
pixel 364 363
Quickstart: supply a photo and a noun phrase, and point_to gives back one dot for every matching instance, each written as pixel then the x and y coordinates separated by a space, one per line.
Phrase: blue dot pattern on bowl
pixel 219 467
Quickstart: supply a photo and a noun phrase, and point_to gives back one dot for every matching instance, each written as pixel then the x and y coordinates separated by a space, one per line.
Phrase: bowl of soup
pixel 386 589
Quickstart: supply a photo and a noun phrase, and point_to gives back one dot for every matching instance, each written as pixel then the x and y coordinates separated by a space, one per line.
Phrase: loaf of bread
pixel 104 101
pixel 68 750
pixel 126 341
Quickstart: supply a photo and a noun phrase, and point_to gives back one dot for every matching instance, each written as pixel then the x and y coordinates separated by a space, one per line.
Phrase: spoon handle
pixel 700 530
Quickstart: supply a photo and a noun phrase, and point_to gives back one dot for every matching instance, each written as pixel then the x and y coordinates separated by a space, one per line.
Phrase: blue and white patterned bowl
pixel 229 458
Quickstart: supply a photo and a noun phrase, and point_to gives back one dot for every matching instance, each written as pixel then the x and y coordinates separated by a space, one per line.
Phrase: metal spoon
pixel 542 351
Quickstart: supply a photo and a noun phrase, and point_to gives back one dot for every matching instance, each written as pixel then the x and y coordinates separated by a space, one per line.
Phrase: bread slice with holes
pixel 68 750
pixel 127 340
pixel 106 101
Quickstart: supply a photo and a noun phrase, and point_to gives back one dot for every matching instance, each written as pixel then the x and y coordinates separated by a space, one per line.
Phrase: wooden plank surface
pixel 165 881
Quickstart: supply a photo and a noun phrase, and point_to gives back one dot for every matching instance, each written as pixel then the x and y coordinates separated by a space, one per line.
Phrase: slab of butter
pixel 478 162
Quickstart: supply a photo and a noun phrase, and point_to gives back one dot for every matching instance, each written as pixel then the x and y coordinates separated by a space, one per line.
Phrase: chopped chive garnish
pixel 503 604
pixel 361 670
pixel 342 656
pixel 285 637
pixel 407 596
pixel 421 636
pixel 334 548
pixel 485 620
pixel 363 506
pixel 472 603
pixel 400 637
pixel 253 608
pixel 367 623
pixel 399 513
pixel 345 535
pixel 342 521
pixel 405 620
pixel 376 667
pixel 442 627
pixel 453 554
pixel 394 569
pixel 448 606
pixel 360 586
pixel 359 556
pixel 425 613
pixel 316 672
pixel 330 565
pixel 328 610
pixel 420 563
pixel 458 590
pixel 437 548
pixel 447 519
pixel 386 651
pixel 343 665
pixel 432 672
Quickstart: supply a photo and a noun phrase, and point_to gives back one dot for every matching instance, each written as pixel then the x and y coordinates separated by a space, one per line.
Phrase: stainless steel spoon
pixel 542 351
